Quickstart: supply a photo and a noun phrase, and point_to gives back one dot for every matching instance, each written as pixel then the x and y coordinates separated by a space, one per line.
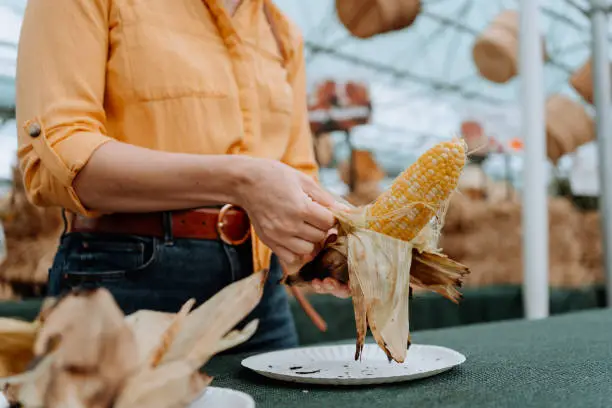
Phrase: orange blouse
pixel 171 75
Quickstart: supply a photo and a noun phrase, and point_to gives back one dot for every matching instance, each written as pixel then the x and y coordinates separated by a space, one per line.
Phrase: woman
pixel 175 136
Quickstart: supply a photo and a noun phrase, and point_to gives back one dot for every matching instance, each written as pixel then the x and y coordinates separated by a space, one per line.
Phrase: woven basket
pixel 582 81
pixel 367 18
pixel 568 126
pixel 496 50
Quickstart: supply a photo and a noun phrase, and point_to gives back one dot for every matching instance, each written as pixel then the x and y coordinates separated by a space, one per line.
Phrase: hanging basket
pixel 553 149
pixel 496 50
pixel 582 81
pixel 568 126
pixel 367 18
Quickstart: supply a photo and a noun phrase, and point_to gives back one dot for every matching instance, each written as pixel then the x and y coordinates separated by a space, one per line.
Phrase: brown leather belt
pixel 229 224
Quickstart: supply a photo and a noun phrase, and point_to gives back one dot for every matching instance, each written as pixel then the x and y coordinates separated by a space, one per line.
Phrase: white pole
pixel 601 87
pixel 535 197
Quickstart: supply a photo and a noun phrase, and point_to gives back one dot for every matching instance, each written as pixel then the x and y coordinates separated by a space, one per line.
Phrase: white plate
pixel 213 397
pixel 336 364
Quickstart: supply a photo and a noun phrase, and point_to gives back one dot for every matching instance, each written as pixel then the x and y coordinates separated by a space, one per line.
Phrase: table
pixel 432 311
pixel 428 310
pixel 563 361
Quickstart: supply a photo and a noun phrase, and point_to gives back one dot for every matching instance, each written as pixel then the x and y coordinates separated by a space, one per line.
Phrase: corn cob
pixel 419 192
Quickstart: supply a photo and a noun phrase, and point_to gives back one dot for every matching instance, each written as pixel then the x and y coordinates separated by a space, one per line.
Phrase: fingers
pixel 320 196
pixel 330 286
pixel 311 234
pixel 298 246
pixel 318 216
pixel 317 193
pixel 285 256
pixel 293 250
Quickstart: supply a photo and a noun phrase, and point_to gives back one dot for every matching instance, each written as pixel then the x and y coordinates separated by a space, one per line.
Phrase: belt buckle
pixel 221 224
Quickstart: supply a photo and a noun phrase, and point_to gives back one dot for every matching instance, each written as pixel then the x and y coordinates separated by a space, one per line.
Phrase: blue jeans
pixel 148 273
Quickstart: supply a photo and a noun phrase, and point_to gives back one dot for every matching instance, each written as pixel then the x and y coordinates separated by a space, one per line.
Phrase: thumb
pixel 321 196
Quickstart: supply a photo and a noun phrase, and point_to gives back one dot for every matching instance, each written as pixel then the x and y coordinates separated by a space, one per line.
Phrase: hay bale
pixel 591 239
pixel 32 236
pixel 487 237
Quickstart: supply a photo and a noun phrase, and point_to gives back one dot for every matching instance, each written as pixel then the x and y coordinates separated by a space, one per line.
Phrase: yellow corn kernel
pixel 419 191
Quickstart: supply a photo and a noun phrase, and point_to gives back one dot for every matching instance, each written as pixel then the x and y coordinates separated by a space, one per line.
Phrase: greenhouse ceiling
pixel 423 79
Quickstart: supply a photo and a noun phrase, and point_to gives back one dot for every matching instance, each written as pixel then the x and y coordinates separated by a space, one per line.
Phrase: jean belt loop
pixel 64 221
pixel 167 226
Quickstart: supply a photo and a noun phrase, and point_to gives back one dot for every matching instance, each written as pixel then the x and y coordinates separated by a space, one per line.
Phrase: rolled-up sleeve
pixel 61 69
pixel 300 151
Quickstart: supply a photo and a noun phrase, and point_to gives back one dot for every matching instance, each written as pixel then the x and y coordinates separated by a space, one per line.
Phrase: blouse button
pixel 34 130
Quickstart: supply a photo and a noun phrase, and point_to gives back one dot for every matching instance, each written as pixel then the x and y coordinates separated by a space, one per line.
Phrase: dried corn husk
pixel 384 248
pixel 87 354
pixel 16 341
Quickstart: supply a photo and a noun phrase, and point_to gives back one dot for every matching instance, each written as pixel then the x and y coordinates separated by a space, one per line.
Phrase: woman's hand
pixel 329 286
pixel 289 211
pixel 291 214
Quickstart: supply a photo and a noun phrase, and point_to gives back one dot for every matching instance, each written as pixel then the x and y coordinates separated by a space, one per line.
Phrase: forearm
pixel 123 178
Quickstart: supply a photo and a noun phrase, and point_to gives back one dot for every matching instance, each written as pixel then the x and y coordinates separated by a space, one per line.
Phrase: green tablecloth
pixel 432 311
pixel 428 311
pixel 563 361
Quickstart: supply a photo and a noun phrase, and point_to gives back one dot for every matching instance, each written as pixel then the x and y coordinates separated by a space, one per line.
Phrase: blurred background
pixel 382 91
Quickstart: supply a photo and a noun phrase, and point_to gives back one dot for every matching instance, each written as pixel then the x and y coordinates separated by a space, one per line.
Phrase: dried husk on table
pixel 367 18
pixel 32 236
pixel 496 50
pixel 568 126
pixel 87 354
pixel 385 248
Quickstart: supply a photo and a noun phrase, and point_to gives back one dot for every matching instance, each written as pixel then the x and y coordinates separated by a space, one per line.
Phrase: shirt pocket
pixel 168 61
pixel 279 90
pixel 277 112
